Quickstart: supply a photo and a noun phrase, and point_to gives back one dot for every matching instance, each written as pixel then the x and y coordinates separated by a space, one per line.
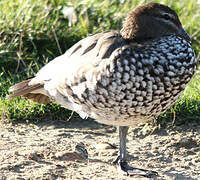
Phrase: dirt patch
pixel 48 150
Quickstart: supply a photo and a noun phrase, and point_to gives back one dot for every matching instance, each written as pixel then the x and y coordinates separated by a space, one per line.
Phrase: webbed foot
pixel 125 169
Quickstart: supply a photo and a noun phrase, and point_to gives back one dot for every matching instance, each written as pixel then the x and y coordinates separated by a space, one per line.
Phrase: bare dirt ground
pixel 45 150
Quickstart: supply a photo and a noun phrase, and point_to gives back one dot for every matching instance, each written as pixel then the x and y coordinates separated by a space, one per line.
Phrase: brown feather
pixel 19 85
pixel 24 90
pixel 37 98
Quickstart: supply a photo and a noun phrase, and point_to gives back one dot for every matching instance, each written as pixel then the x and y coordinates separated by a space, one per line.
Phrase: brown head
pixel 151 21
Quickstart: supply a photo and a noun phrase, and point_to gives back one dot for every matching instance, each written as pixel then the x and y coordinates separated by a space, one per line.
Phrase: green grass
pixel 28 33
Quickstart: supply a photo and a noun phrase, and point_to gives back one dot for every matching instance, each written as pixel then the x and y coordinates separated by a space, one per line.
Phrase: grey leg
pixel 123 130
pixel 121 163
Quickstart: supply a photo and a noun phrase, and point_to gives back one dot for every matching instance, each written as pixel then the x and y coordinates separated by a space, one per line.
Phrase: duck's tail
pixel 31 92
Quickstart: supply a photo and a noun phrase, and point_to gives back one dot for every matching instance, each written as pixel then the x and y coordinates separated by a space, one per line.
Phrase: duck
pixel 120 77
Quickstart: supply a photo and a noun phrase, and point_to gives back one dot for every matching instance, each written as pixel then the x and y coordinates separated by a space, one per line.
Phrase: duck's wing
pixel 83 61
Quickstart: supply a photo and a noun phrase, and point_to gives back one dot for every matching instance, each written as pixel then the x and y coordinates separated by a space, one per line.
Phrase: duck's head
pixel 151 21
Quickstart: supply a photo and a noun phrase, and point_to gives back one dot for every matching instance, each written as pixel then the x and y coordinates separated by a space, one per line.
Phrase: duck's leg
pixel 121 163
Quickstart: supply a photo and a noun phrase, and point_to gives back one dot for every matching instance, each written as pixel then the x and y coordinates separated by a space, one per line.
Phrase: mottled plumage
pixel 120 77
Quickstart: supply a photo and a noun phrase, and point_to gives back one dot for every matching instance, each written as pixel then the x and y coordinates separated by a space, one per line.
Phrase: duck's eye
pixel 166 16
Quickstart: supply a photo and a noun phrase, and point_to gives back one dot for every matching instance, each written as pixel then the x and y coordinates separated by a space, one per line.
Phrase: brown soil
pixel 45 150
